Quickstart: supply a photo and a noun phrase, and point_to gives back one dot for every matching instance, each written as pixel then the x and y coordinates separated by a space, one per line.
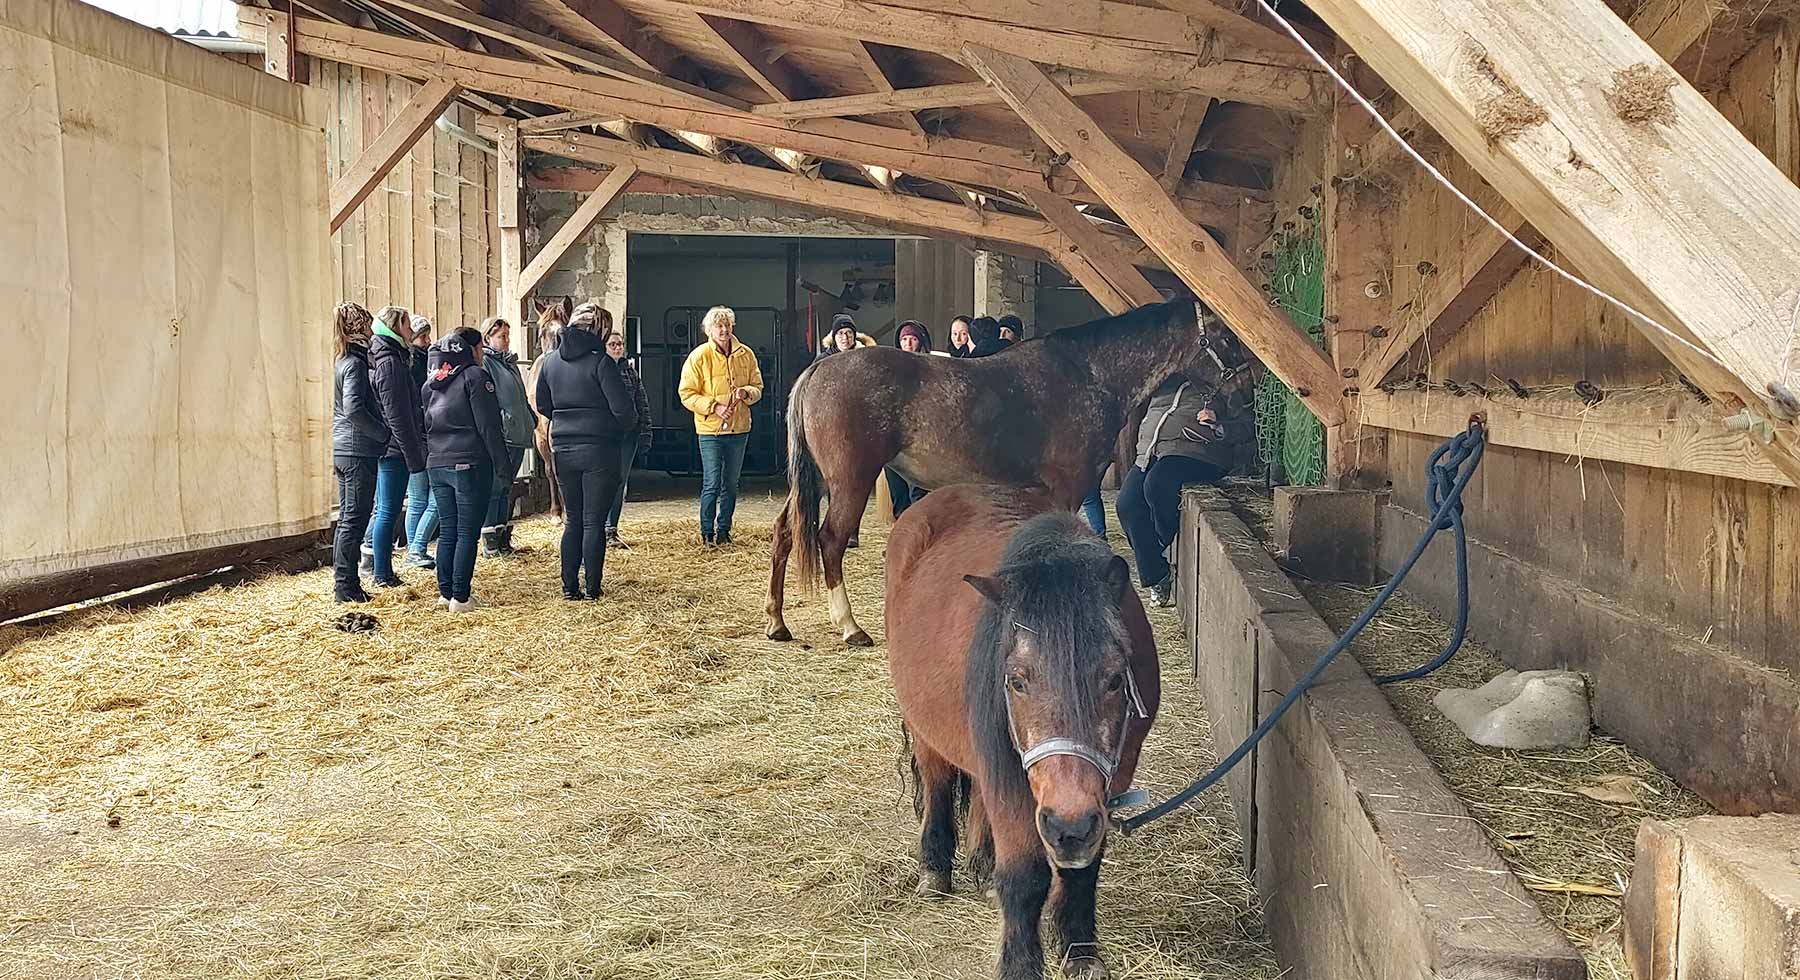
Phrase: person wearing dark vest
pixel 518 423
pixel 359 439
pixel 591 413
pixel 465 444
pixel 637 442
pixel 390 373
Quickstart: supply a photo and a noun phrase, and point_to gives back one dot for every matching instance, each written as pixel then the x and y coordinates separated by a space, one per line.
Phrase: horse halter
pixel 1202 316
pixel 1062 745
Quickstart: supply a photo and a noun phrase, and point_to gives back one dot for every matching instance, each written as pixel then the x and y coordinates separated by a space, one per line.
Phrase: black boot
pixel 506 545
pixel 490 542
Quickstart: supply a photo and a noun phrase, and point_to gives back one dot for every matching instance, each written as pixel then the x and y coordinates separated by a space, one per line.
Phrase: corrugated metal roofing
pixel 202 18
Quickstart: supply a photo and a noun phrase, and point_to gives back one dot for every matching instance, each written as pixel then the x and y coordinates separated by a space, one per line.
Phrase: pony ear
pixel 1118 577
pixel 988 586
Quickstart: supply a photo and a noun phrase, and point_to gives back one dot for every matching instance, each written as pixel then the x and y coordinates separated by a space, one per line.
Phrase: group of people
pixel 429 438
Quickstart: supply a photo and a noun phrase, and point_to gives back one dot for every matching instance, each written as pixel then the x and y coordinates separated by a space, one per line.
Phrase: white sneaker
pixel 443 600
pixel 463 607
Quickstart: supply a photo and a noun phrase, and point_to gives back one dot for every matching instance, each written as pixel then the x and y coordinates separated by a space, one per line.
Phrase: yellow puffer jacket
pixel 710 378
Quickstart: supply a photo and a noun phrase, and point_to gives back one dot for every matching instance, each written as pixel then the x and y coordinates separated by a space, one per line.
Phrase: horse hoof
pixel 858 639
pixel 779 633
pixel 1086 968
pixel 933 885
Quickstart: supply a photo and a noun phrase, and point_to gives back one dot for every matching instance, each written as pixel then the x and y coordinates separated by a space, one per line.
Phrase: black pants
pixel 1150 509
pixel 356 502
pixel 589 477
pixel 903 494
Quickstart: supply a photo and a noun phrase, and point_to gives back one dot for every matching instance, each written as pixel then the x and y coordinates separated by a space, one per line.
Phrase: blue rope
pixel 1447 473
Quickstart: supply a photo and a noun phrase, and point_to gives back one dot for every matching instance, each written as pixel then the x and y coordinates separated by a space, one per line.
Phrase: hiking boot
pixel 1164 592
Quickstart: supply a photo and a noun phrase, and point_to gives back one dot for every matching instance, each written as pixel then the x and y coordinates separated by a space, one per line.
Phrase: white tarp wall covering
pixel 164 275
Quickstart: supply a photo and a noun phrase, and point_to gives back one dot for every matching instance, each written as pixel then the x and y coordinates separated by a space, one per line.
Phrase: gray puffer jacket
pixel 1169 427
pixel 356 425
pixel 517 420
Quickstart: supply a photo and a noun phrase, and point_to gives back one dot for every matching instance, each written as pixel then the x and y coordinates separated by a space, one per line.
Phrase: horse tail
pixel 804 493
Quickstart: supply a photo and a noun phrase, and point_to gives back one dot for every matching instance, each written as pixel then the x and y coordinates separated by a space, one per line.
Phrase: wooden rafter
pixel 558 50
pixel 951 96
pixel 744 45
pixel 879 76
pixel 1098 35
pixel 508 186
pixel 356 183
pixel 1671 432
pixel 1187 132
pixel 565 120
pixel 1666 205
pixel 1095 250
pixel 1132 193
pixel 968 162
pixel 908 213
pixel 577 226
pixel 1486 258
pixel 626 34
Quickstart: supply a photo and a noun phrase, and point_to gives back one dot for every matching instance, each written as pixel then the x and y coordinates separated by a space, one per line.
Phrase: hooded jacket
pixel 1169 427
pixel 462 409
pixel 517 422
pixel 356 425
pixel 984 333
pixel 582 394
pixel 917 328
pixel 390 373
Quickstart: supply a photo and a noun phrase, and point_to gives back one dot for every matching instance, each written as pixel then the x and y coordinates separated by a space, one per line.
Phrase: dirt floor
pixel 226 785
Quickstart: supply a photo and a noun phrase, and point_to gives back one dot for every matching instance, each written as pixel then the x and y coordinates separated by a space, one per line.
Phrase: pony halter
pixel 1062 745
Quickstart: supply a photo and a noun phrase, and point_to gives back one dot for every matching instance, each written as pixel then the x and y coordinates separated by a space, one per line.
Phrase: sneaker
pixel 424 562
pixel 391 582
pixel 574 595
pixel 463 606
pixel 1164 592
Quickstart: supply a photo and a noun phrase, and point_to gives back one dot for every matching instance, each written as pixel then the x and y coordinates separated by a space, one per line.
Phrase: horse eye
pixel 1115 682
pixel 1016 684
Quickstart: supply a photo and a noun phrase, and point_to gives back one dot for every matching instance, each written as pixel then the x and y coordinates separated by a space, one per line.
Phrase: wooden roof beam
pixel 881 77
pixel 1187 132
pixel 1098 35
pixel 557 51
pixel 1095 250
pixel 1132 193
pixel 909 213
pixel 952 96
pixel 632 39
pixel 965 161
pixel 1650 191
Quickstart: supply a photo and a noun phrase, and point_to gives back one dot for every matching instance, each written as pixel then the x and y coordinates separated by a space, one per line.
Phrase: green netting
pixel 1286 432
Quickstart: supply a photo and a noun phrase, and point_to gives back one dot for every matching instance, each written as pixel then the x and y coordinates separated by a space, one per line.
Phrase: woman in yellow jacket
pixel 719 383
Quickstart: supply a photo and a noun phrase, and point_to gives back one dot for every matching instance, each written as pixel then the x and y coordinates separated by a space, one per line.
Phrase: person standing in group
pixel 518 423
pixel 359 439
pixel 1189 435
pixel 1012 330
pixel 914 339
pixel 465 445
pixel 591 414
pixel 390 372
pixel 719 383
pixel 984 337
pixel 634 443
pixel 421 504
pixel 962 344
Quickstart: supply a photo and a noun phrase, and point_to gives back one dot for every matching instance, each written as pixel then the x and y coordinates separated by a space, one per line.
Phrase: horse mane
pixel 1053 575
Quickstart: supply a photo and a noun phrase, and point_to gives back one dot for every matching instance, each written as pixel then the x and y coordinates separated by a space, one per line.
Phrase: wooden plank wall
pixel 1714 557
pixel 426 239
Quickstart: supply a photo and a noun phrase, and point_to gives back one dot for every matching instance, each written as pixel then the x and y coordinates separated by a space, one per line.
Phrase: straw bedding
pixel 226 785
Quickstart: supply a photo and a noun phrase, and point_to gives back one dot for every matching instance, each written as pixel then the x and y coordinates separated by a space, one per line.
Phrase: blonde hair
pixel 493 325
pixel 718 315
pixel 394 317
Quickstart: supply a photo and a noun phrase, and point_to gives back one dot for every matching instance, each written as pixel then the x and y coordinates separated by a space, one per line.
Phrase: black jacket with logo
pixel 390 371
pixel 462 412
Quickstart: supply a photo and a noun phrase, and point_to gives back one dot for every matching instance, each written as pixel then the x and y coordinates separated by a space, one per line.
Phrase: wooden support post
pixel 1099 256
pixel 506 215
pixel 1636 178
pixel 1359 256
pixel 1187 131
pixel 1134 194
pixel 575 228
pixel 355 185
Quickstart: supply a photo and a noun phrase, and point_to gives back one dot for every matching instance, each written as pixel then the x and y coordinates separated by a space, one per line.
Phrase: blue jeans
pixel 627 456
pixel 1094 512
pixel 462 498
pixel 499 510
pixel 390 490
pixel 421 514
pixel 721 463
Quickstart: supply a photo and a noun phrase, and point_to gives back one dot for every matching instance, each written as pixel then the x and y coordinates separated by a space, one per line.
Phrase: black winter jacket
pixel 356 425
pixel 390 371
pixel 462 412
pixel 640 398
pixel 583 395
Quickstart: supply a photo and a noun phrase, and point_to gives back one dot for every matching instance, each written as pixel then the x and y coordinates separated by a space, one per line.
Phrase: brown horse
pixel 1037 686
pixel 551 319
pixel 1043 413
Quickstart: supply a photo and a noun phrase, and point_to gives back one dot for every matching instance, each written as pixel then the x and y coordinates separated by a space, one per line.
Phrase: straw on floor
pixel 643 787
